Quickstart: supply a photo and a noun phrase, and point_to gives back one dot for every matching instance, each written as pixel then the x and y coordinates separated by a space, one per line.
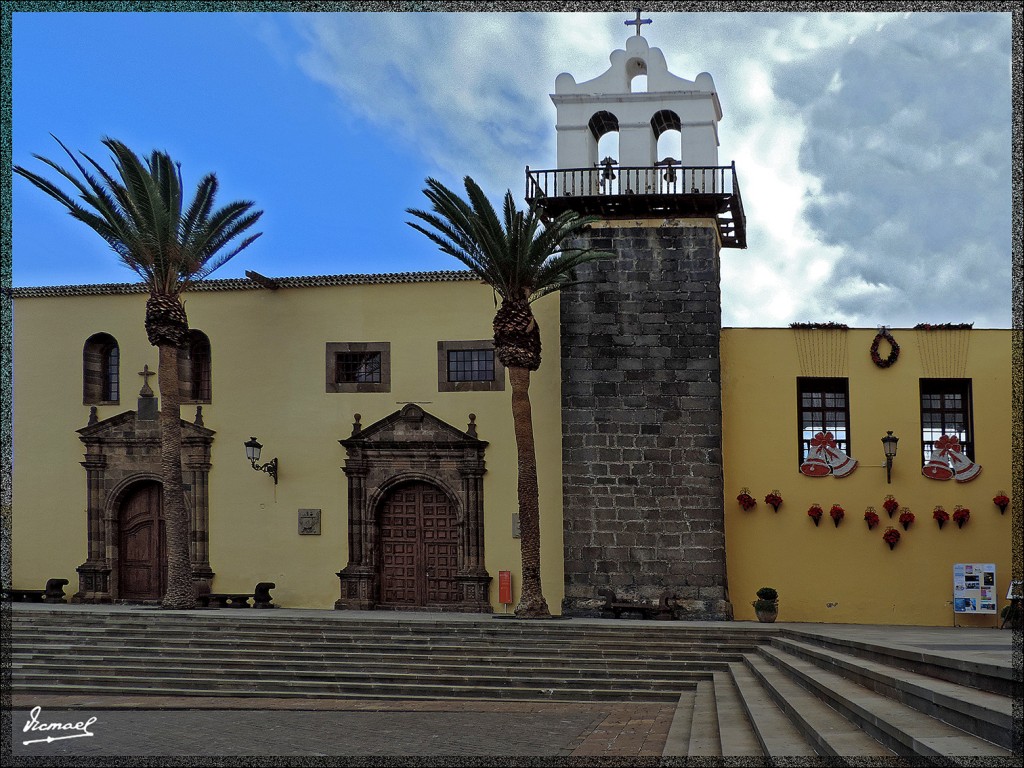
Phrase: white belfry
pixel 587 111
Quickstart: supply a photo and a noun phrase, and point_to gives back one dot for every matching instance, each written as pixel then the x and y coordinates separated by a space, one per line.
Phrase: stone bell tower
pixel 641 389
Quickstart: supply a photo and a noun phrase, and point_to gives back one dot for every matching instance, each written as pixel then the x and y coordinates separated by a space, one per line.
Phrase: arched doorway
pixel 419 547
pixel 142 555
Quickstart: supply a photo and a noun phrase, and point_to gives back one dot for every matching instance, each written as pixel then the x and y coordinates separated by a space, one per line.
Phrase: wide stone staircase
pixel 739 689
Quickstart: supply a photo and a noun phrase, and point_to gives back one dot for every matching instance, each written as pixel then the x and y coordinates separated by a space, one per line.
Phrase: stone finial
pixel 93 416
pixel 356 426
pixel 146 390
pixel 471 429
pixel 199 417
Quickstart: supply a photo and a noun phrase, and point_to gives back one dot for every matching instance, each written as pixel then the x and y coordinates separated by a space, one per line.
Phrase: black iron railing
pixel 668 190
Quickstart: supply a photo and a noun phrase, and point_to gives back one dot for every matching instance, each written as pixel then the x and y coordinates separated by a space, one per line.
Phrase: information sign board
pixel 974 587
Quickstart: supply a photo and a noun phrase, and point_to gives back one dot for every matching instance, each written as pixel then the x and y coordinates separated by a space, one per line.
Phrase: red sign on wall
pixel 505 587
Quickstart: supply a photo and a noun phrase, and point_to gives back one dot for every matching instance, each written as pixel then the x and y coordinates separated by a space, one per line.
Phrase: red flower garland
pixel 894 349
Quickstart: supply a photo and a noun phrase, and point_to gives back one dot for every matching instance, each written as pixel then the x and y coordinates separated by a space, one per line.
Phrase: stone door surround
pixel 413 445
pixel 121 452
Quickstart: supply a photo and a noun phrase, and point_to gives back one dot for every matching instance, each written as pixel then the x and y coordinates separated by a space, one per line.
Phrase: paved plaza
pixel 201 726
pixel 153 726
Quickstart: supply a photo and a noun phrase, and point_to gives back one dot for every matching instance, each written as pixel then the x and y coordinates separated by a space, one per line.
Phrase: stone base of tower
pixel 642 421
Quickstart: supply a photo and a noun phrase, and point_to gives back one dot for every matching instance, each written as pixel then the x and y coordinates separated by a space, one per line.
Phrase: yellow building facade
pixel 847 573
pixel 268 349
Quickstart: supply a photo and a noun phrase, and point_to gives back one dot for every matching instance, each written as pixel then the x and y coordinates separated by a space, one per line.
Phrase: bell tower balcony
pixel 664 190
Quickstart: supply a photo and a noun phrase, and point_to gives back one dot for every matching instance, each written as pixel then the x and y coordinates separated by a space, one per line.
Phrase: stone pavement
pixel 212 726
pixel 155 726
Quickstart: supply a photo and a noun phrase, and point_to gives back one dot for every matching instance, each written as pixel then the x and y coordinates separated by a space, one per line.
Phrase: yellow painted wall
pixel 848 574
pixel 268 363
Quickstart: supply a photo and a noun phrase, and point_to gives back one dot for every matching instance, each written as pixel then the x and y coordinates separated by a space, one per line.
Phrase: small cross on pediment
pixel 638 23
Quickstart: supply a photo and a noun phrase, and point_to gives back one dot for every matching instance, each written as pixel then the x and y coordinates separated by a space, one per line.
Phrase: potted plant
pixel 891 537
pixel 890 504
pixel 815 513
pixel 837 513
pixel 746 500
pixel 940 515
pixel 906 518
pixel 961 515
pixel 1002 501
pixel 775 499
pixel 871 517
pixel 767 604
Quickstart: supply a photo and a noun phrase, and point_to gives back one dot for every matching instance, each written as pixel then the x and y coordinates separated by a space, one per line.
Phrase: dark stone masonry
pixel 642 422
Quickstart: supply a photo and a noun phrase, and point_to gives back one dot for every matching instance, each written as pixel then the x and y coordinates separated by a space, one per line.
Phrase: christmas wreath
pixel 894 349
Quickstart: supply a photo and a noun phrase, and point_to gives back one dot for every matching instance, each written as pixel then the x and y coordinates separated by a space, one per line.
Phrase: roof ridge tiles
pixel 244 284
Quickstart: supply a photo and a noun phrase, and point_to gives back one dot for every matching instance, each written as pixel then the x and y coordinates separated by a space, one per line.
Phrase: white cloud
pixel 843 128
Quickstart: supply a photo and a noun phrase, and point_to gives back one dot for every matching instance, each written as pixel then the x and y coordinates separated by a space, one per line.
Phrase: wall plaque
pixel 309 522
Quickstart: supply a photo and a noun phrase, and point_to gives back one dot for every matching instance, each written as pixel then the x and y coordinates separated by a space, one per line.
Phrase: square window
pixel 358 367
pixel 468 366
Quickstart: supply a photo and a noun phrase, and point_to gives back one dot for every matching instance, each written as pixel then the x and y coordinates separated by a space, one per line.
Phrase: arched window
pixel 101 370
pixel 194 371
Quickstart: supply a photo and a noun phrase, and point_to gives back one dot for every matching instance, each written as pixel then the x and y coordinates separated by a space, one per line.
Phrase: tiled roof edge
pixel 244 284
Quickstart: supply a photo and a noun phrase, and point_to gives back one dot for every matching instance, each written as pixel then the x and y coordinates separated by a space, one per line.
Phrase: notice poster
pixel 974 587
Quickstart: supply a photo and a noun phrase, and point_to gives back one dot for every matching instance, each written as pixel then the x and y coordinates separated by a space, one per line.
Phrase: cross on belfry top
pixel 638 22
pixel 146 390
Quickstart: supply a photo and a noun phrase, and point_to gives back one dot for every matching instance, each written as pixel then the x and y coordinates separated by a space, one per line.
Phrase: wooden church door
pixel 419 547
pixel 142 556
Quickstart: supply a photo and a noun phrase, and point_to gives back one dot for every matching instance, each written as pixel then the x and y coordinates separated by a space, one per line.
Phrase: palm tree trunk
pixel 180 592
pixel 532 604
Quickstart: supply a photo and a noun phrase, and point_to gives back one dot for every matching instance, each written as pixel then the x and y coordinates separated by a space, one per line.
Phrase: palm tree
pixel 139 213
pixel 522 260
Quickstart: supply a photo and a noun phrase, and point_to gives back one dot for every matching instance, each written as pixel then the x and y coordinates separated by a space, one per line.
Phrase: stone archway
pixel 121 453
pixel 414 449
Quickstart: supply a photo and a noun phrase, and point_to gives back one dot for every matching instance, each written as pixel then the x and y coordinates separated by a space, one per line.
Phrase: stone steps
pixel 975 711
pixel 747 693
pixel 900 728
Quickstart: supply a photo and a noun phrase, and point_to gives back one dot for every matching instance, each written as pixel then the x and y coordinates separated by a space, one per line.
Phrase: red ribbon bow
pixel 948 445
pixel 825 443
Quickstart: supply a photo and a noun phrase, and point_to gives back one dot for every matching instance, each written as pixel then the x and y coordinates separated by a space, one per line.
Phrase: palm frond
pixel 518 255
pixel 137 208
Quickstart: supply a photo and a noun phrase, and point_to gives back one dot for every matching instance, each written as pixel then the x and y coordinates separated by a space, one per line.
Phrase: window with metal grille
pixel 823 406
pixel 471 365
pixel 946 410
pixel 357 368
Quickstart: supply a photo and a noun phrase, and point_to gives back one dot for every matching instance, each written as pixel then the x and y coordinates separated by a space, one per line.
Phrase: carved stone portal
pixel 411 447
pixel 120 453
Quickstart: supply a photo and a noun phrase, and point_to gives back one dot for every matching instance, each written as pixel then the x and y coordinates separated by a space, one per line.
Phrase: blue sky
pixel 873 150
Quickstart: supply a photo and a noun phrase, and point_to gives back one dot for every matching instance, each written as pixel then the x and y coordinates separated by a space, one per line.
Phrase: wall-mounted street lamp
pixel 252 453
pixel 889 446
